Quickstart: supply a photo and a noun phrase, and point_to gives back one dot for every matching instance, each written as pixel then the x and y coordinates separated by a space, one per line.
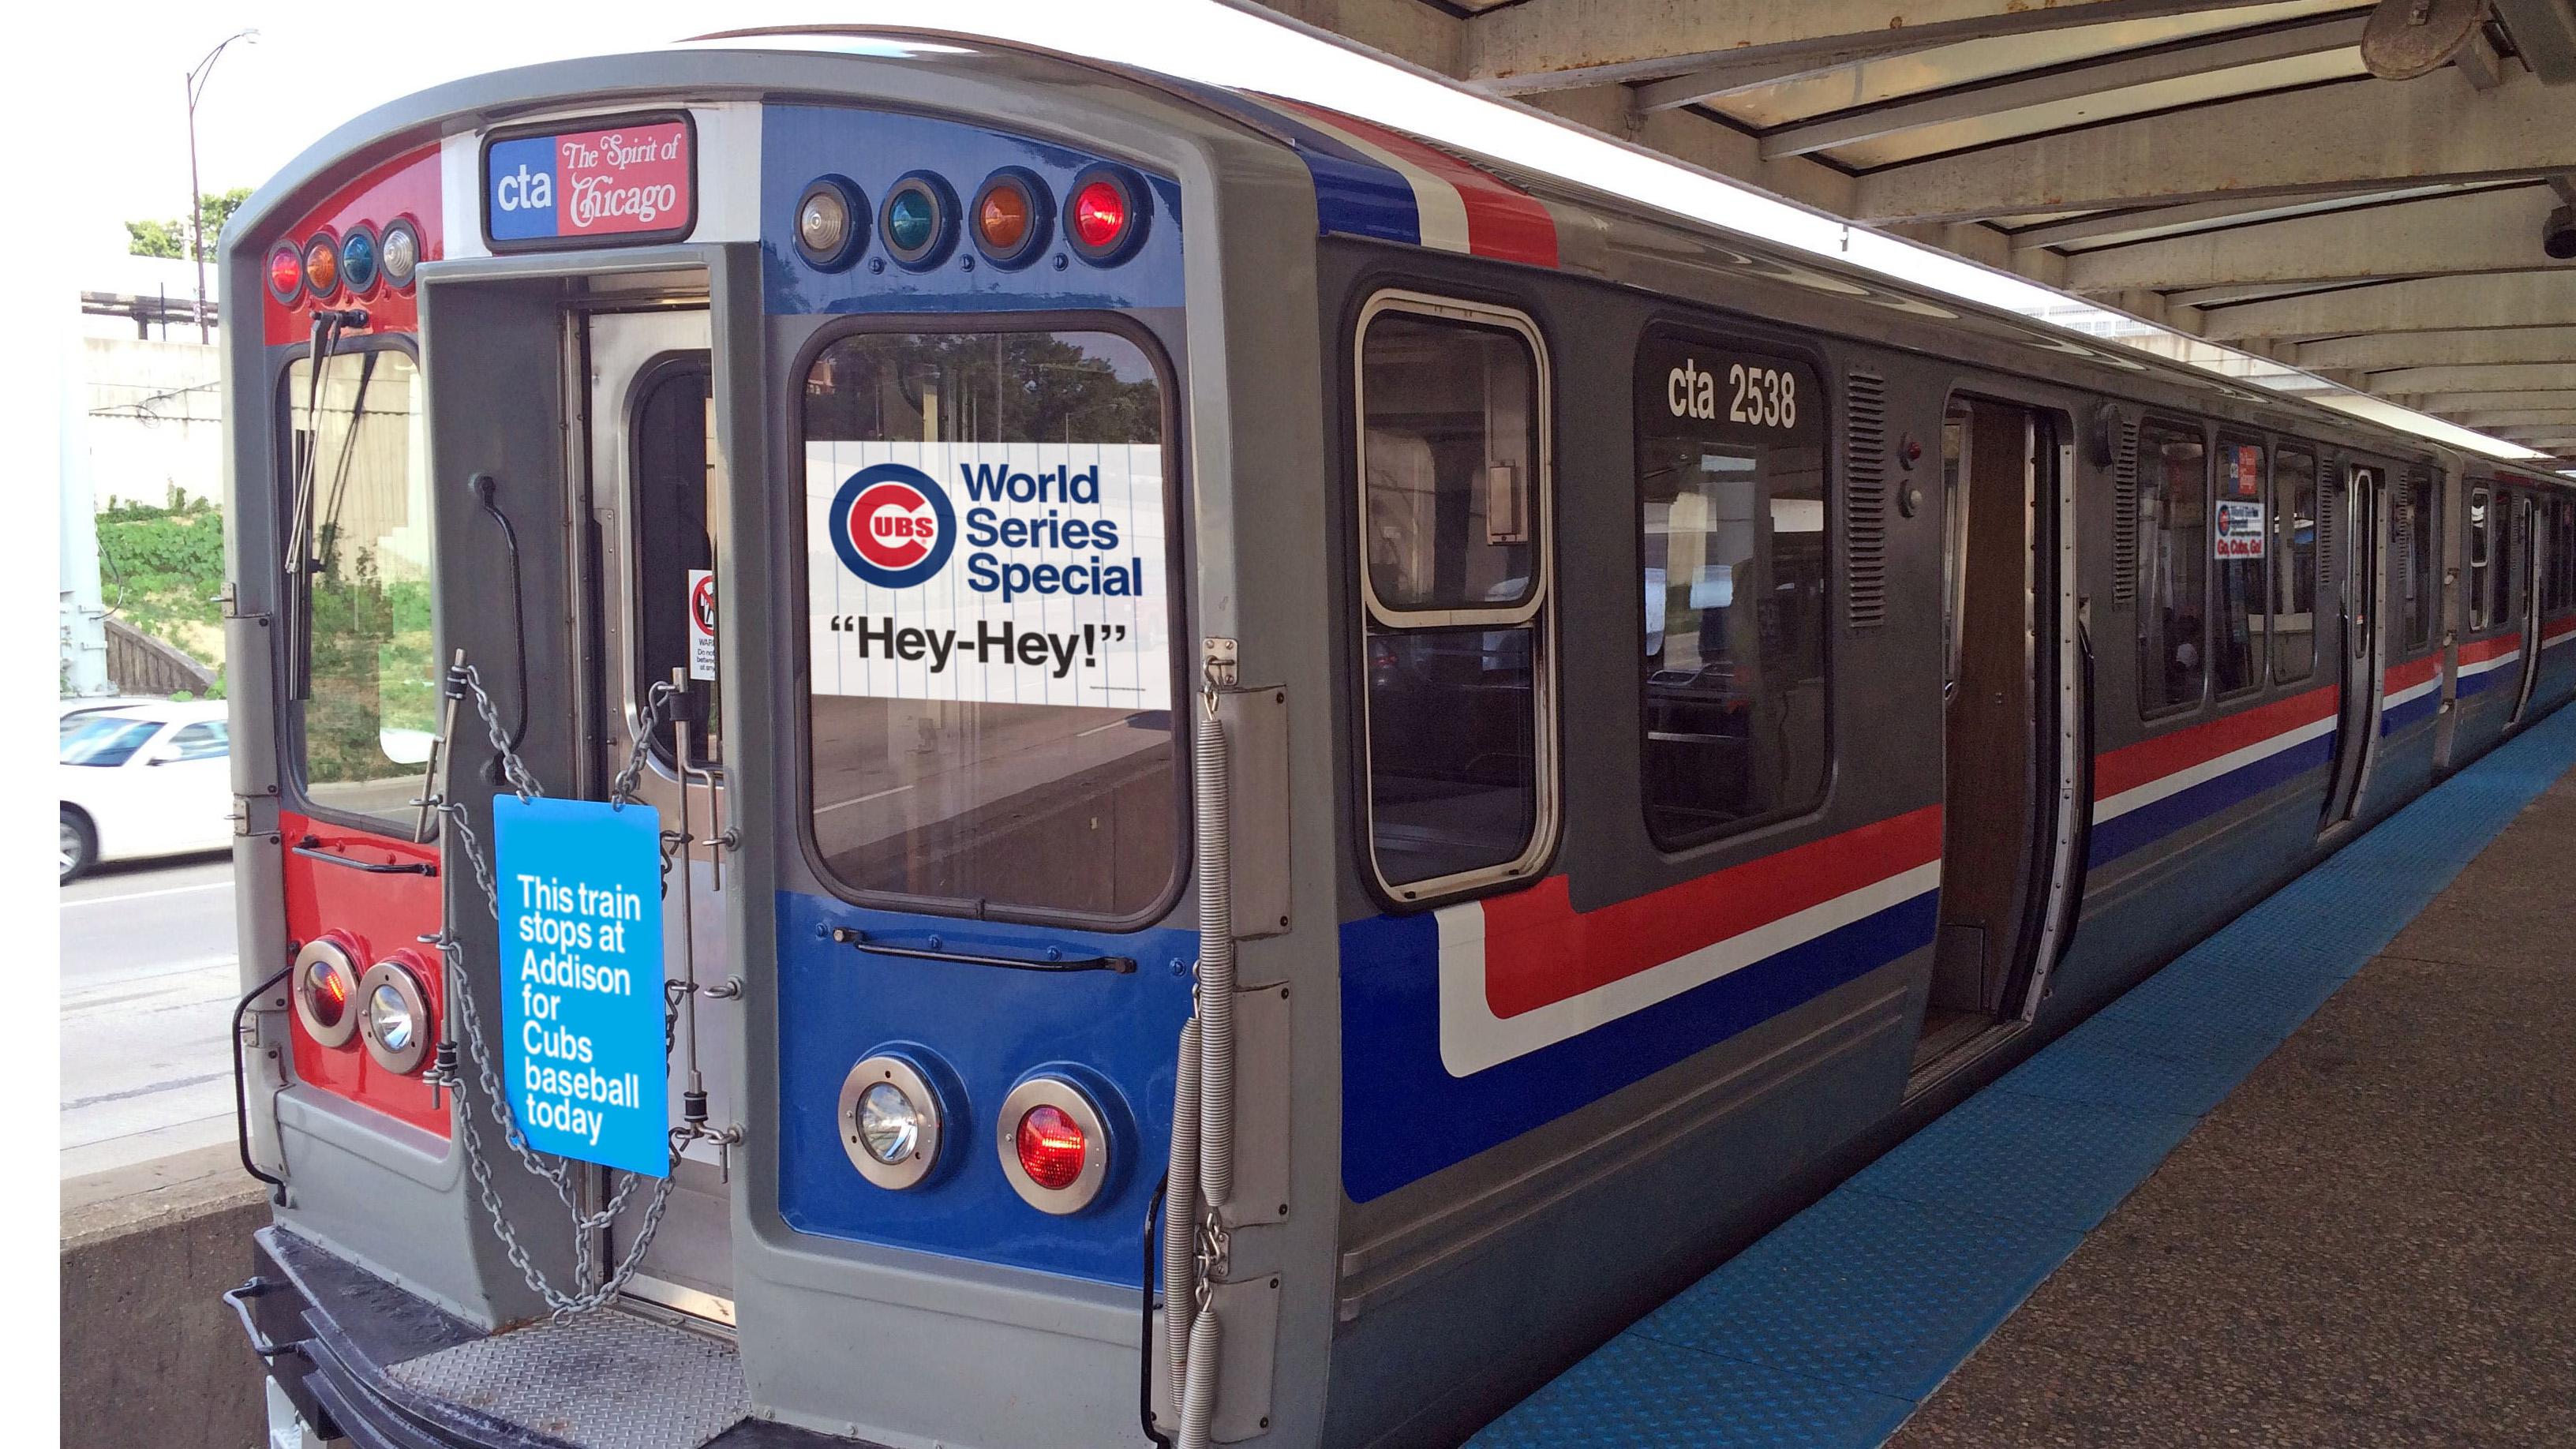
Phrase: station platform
pixel 2308 1185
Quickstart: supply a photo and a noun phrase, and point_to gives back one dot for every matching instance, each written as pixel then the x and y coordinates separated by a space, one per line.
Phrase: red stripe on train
pixel 2411 673
pixel 2147 761
pixel 1503 222
pixel 1540 950
pixel 2481 650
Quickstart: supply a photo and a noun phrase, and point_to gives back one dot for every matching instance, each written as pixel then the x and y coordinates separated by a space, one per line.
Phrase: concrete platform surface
pixel 2371 1241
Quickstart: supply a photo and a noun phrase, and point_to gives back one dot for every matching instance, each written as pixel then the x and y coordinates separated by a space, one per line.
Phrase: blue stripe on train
pixel 2396 717
pixel 1355 194
pixel 2157 819
pixel 2480 682
pixel 1404 1117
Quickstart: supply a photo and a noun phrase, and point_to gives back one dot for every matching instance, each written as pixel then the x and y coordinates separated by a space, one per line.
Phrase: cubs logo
pixel 892 526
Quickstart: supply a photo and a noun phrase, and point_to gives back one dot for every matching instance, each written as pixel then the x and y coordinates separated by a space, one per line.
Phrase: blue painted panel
pixel 990 1027
pixel 873 149
pixel 1404 1117
pixel 2149 823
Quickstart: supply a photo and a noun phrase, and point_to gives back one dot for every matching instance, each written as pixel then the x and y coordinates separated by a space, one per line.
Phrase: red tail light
pixel 1052 1148
pixel 1100 215
pixel 285 272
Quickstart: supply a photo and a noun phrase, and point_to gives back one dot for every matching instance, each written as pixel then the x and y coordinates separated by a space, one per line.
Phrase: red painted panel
pixel 2478 651
pixel 379 915
pixel 406 186
pixel 2134 765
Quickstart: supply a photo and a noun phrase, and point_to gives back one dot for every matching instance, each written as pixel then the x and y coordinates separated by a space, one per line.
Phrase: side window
pixel 1731 507
pixel 359 511
pixel 2294 548
pixel 2481 559
pixel 2173 549
pixel 670 438
pixel 206 740
pixel 2236 640
pixel 2415 560
pixel 1453 500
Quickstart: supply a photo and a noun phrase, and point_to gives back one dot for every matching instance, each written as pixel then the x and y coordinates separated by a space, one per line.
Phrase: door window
pixel 1453 510
pixel 671 441
pixel 2415 560
pixel 2482 584
pixel 2236 641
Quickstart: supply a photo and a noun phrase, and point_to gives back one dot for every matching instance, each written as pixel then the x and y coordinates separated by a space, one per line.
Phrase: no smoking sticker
pixel 702 624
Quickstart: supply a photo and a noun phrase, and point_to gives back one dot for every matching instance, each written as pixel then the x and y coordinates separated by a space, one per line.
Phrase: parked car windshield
pixel 107 741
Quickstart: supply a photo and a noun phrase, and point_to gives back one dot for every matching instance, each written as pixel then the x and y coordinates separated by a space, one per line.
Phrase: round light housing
pixel 890 1118
pixel 1054 1145
pixel 326 992
pixel 831 223
pixel 399 253
pixel 322 265
pixel 359 260
pixel 1013 220
pixel 919 222
pixel 394 1016
pixel 286 272
pixel 1106 215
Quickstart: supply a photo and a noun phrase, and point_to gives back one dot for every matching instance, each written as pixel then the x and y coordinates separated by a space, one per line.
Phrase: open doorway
pixel 2002 679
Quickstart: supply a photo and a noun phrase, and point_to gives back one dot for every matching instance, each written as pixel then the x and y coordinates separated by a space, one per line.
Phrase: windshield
pixel 109 741
pixel 370 704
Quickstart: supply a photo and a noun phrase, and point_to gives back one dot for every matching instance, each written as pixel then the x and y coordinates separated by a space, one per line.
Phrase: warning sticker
pixel 2240 529
pixel 1027 573
pixel 702 624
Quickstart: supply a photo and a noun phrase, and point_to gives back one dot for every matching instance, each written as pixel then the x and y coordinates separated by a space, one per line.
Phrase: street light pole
pixel 197 76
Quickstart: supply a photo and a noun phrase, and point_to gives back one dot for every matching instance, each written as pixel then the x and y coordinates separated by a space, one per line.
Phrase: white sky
pixel 309 69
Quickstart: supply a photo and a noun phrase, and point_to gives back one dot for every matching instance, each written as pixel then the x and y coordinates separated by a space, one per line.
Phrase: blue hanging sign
pixel 580 888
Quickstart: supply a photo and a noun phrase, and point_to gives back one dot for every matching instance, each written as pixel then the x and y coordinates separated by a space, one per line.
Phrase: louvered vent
pixel 1865 503
pixel 2330 506
pixel 2124 516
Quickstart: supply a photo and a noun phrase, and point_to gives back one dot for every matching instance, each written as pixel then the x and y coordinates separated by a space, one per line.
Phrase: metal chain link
pixel 555 1170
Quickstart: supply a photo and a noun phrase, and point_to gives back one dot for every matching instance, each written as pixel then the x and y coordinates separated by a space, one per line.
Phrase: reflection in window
pixel 2294 548
pixel 671 442
pixel 2236 644
pixel 2173 549
pixel 205 740
pixel 2415 558
pixel 370 705
pixel 1451 507
pixel 1733 547
pixel 2481 551
pixel 976 801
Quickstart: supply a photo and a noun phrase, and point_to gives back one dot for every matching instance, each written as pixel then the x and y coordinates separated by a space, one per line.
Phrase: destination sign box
pixel 611 182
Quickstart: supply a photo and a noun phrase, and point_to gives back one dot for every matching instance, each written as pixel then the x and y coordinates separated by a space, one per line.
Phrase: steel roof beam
pixel 2069 82
pixel 2422 304
pixel 2283 143
pixel 2514 417
pixel 2444 404
pixel 1556 44
pixel 2463 348
pixel 2503 377
pixel 2545 32
pixel 2478 231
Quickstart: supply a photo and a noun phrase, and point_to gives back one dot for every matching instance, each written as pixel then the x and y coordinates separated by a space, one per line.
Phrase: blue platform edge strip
pixel 1835 1326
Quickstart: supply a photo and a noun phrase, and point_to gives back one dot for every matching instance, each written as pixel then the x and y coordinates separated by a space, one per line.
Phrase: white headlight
pixel 393 1016
pixel 890 1121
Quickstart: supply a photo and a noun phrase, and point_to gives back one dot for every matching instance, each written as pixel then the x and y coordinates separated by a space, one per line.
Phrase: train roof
pixel 1373 182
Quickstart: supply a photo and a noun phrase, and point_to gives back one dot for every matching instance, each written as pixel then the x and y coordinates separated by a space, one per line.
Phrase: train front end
pixel 732 548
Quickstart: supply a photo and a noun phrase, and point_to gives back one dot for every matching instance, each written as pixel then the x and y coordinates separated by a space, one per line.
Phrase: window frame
pixel 2200 428
pixel 293 788
pixel 1724 333
pixel 1177 544
pixel 2478 578
pixel 1537 612
pixel 2263 444
pixel 2284 524
pixel 658 370
pixel 2423 564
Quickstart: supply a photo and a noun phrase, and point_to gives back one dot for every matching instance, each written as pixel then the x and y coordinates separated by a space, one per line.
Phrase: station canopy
pixel 2367 193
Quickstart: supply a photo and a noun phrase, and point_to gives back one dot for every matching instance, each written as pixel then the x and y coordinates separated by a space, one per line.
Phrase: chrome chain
pixel 555 1170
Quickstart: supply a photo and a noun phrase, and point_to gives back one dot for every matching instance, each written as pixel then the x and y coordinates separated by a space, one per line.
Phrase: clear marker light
pixel 889 1123
pixel 825 222
pixel 398 253
pixel 389 1019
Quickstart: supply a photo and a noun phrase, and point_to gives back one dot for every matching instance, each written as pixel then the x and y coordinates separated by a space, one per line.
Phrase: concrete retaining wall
pixel 151 1354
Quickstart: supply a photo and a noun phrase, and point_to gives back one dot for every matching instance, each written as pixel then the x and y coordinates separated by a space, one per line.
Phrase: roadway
pixel 148 988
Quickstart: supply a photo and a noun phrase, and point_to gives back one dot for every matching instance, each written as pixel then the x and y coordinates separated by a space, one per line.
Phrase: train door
pixel 2356 504
pixel 2006 631
pixel 656 509
pixel 2530 555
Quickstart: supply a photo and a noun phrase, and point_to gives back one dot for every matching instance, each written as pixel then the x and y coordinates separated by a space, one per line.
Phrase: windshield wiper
pixel 297 607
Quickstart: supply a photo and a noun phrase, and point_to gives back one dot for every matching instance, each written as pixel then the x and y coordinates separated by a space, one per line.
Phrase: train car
pixel 1325 767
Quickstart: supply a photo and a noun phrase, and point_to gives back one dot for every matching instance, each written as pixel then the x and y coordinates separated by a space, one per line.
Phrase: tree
pixel 170 238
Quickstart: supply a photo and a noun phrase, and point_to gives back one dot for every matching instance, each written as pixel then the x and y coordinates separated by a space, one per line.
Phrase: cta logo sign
pixel 606 183
pixel 892 526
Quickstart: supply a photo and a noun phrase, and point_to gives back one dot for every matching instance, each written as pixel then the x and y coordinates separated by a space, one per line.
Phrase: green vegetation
pixel 162 566
pixel 372 667
pixel 170 238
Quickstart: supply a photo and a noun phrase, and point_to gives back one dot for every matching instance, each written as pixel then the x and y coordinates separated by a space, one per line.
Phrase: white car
pixel 147 779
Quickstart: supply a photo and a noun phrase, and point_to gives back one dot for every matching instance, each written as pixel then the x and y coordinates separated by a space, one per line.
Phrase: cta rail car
pixel 1324 767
